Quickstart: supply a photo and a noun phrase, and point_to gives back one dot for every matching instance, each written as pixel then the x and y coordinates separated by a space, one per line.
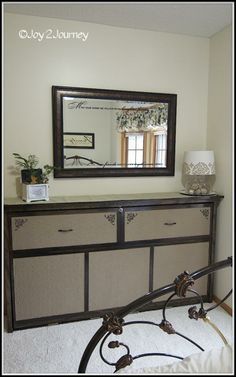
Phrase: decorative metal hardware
pixel 194 314
pixel 170 223
pixel 113 323
pixel 19 223
pixel 205 212
pixel 167 327
pixel 123 362
pixel 130 217
pixel 182 282
pixel 111 218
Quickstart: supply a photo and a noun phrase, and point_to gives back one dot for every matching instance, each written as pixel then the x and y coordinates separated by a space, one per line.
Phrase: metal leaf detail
pixel 130 217
pixel 205 212
pixel 19 223
pixel 111 218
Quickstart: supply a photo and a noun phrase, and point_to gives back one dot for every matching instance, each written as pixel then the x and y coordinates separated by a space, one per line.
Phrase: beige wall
pixel 110 58
pixel 220 139
pixel 125 59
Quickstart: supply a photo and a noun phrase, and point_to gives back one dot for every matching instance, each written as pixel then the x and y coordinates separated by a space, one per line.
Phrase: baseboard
pixel 224 306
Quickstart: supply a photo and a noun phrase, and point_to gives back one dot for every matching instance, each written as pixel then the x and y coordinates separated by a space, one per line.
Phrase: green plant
pixel 36 175
pixel 28 163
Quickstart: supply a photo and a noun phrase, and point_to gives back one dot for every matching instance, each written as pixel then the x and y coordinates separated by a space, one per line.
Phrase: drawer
pixel 166 223
pixel 48 285
pixel 83 228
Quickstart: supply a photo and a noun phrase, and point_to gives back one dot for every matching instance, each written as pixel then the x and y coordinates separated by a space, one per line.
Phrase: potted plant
pixel 34 179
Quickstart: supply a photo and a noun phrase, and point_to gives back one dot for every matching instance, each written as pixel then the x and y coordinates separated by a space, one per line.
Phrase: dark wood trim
pixel 86 281
pixel 47 206
pixel 28 253
pixel 8 273
pixel 211 254
pixel 120 226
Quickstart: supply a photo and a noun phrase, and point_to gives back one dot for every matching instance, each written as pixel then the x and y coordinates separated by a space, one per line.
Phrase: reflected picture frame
pixel 78 140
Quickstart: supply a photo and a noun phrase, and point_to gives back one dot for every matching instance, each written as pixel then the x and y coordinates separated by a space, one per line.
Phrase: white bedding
pixel 218 360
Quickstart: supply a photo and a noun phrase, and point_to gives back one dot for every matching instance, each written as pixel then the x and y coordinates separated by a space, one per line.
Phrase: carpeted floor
pixel 58 349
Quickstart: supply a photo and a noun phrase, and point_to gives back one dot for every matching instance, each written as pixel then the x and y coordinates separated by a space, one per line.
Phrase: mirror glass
pixel 109 133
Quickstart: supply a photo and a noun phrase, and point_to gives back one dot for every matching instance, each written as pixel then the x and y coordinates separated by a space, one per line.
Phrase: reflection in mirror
pixel 124 132
pixel 114 133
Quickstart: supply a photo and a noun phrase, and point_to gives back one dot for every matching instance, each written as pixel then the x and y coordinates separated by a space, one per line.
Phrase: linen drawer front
pixel 171 261
pixel 166 223
pixel 48 285
pixel 63 230
pixel 116 277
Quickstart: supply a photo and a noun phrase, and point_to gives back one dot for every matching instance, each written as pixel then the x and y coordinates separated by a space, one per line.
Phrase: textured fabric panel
pixel 117 277
pixel 170 261
pixel 49 285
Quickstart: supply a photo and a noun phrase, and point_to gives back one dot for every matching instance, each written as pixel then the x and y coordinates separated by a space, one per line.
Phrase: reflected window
pixel 134 149
pixel 161 150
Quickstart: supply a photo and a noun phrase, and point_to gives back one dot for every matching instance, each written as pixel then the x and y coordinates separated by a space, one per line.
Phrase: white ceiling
pixel 193 18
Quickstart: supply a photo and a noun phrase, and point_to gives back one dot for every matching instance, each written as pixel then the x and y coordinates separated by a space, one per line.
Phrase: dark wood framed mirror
pixel 113 133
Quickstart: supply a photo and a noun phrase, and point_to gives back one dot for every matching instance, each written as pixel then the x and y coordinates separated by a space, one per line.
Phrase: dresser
pixel 74 258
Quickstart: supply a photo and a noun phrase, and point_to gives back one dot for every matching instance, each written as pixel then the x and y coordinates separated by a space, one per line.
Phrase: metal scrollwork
pixel 130 217
pixel 113 323
pixel 111 218
pixel 183 281
pixel 19 223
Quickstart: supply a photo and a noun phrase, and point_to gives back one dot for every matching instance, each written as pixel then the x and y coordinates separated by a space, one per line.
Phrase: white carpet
pixel 58 349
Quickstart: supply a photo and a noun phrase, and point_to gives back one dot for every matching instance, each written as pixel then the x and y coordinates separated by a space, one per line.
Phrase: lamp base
pixel 184 192
pixel 198 184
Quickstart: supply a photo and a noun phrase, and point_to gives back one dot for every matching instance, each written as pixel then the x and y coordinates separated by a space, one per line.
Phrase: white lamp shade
pixel 199 163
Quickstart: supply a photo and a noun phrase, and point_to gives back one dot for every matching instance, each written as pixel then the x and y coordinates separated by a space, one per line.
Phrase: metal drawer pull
pixel 65 230
pixel 170 223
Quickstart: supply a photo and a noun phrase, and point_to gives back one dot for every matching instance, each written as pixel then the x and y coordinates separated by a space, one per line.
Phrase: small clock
pixel 32 193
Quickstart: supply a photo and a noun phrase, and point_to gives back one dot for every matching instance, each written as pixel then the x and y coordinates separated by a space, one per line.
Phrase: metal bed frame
pixel 113 323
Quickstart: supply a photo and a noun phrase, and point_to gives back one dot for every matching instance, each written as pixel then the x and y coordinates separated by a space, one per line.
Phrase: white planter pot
pixel 32 193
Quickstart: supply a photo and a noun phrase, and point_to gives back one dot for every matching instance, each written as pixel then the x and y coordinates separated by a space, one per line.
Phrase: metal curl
pixel 182 283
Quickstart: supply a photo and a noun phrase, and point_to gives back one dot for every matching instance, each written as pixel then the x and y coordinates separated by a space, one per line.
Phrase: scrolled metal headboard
pixel 113 322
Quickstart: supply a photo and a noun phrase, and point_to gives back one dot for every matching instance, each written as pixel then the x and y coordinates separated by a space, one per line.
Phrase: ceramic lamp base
pixel 32 193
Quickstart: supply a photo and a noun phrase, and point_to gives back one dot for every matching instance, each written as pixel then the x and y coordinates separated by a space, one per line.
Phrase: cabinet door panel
pixel 117 277
pixel 63 230
pixel 166 223
pixel 171 261
pixel 48 285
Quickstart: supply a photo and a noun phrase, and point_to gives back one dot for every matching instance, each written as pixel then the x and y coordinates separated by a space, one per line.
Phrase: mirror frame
pixel 58 92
